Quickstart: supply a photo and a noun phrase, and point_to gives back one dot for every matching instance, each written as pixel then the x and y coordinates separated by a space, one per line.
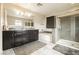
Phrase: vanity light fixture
pixel 19 12
pixel 29 14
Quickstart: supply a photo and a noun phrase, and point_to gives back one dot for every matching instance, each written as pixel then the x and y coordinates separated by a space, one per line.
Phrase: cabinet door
pixel 51 21
pixel 7 40
pixel 20 38
pixel 33 35
pixel 36 34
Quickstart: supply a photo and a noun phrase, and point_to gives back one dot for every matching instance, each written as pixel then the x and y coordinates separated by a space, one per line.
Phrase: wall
pixel 73 28
pixel 57 29
pixel 11 20
pixel 1 28
pixel 39 20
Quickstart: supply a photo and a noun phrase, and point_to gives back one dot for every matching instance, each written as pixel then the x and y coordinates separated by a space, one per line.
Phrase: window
pixel 29 23
pixel 18 23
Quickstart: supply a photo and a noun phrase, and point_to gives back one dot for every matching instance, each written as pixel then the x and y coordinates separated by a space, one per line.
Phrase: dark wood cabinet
pixel 34 36
pixel 8 39
pixel 51 22
pixel 16 38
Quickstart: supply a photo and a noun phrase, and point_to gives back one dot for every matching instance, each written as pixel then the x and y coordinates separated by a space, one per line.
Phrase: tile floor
pixel 8 52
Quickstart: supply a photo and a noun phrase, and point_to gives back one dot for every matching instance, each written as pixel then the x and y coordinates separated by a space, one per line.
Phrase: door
pixel 7 40
pixel 77 28
pixel 65 28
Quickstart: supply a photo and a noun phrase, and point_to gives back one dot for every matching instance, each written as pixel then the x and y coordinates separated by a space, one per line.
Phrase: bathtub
pixel 71 44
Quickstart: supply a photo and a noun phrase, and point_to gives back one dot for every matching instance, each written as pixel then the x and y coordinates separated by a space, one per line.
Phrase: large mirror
pixel 16 18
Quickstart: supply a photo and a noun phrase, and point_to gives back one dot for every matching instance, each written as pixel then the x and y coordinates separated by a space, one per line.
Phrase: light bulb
pixel 29 14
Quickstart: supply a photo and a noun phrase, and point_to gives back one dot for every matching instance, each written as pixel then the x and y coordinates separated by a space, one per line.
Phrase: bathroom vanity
pixel 14 38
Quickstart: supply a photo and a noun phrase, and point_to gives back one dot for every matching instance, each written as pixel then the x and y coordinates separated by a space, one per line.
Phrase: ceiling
pixel 48 8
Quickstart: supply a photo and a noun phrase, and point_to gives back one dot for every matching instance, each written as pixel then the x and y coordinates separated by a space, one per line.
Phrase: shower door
pixel 77 28
pixel 65 32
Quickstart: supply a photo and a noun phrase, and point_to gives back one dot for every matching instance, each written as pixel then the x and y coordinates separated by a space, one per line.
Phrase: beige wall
pixel 0 29
pixel 39 20
pixel 11 20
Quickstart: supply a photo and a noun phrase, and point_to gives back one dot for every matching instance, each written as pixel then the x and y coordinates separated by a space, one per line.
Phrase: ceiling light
pixel 72 3
pixel 29 14
pixel 39 4
pixel 18 12
pixel 22 13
